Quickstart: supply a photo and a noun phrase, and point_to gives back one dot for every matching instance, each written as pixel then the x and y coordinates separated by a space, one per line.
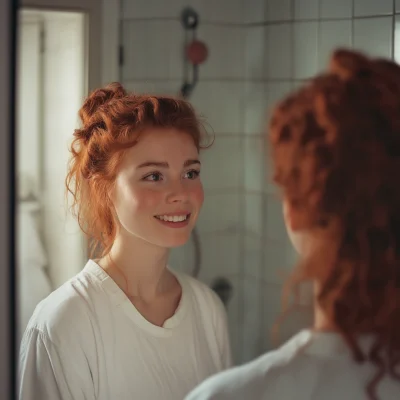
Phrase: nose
pixel 177 193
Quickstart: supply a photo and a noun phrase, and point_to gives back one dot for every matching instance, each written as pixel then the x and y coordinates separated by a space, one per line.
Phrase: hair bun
pixel 347 64
pixel 99 98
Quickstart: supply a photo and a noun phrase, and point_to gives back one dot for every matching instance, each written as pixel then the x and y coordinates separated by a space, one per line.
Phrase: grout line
pixel 178 20
pixel 242 224
pixel 393 31
pixel 224 24
pixel 120 40
pixel 318 60
pixel 293 20
pixel 133 81
pixel 292 32
pixel 352 23
pixel 174 80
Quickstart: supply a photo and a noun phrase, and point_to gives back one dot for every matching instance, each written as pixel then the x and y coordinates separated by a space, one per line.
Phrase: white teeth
pixel 175 218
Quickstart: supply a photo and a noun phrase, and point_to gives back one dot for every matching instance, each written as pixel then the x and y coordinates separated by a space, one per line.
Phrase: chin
pixel 171 244
pixel 172 240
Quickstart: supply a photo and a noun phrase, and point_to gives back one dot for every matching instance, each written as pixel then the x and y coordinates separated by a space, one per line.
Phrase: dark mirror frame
pixel 8 28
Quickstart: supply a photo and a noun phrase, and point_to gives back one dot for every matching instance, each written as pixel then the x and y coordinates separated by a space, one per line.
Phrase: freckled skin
pixel 141 193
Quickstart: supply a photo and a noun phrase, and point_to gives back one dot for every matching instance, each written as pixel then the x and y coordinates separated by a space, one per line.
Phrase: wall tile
pixel 254 170
pixel 252 322
pixel 276 91
pixel 253 255
pixel 396 54
pixel 275 228
pixel 226 48
pixel 305 49
pixel 152 50
pixel 235 319
pixel 255 11
pixel 208 10
pixel 256 41
pixel 139 9
pixel 306 9
pixel 222 11
pixel 372 7
pixel 256 103
pixel 279 260
pixel 220 256
pixel 253 216
pixel 279 10
pixel 221 103
pixel 374 36
pixel 333 34
pixel 159 87
pixel 336 9
pixel 222 163
pixel 220 213
pixel 279 63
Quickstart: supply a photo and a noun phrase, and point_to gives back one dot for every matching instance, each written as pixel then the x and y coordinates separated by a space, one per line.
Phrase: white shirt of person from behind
pixel 310 366
pixel 87 341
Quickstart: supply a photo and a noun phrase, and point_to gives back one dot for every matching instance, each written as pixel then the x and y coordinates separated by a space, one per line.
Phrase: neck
pixel 321 321
pixel 138 267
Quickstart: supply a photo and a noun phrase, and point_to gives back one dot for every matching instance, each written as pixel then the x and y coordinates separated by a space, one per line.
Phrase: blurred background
pixel 255 52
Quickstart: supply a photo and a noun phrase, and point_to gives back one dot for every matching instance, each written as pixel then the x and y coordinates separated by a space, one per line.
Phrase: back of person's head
pixel 335 146
pixel 112 122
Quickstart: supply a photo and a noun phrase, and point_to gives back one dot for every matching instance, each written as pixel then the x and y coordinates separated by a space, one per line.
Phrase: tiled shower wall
pixel 259 50
pixel 288 41
pixel 153 36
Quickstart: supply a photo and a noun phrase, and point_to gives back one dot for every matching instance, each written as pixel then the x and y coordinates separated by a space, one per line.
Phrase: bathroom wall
pixel 153 39
pixel 259 50
pixel 288 41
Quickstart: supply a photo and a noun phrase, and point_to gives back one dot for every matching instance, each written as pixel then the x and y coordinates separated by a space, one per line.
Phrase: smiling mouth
pixel 173 218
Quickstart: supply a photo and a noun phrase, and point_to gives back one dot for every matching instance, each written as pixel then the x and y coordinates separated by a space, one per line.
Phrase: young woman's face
pixel 158 193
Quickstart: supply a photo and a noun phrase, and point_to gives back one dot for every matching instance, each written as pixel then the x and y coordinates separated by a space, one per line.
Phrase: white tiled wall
pixel 153 40
pixel 259 50
pixel 219 11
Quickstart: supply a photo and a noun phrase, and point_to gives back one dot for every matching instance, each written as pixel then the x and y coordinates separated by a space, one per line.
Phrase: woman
pixel 128 326
pixel 336 156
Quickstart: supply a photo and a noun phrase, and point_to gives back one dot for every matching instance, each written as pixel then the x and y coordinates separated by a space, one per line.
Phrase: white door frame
pixel 106 55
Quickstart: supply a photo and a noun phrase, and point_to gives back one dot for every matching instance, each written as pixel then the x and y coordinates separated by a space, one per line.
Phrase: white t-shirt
pixel 310 366
pixel 87 341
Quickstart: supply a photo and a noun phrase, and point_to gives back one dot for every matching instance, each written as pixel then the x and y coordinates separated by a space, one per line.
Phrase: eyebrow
pixel 159 164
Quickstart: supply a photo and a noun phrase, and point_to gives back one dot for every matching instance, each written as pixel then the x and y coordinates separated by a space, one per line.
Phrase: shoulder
pixel 66 310
pixel 268 374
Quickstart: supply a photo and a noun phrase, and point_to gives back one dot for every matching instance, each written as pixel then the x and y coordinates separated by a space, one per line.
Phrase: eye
pixel 192 174
pixel 153 177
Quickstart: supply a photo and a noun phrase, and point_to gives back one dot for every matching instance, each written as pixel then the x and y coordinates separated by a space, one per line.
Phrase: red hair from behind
pixel 336 155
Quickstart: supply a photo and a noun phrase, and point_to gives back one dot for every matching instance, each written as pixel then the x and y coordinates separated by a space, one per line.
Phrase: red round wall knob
pixel 197 52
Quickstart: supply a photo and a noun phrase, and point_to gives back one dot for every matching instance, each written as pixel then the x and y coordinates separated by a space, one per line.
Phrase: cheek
pixel 138 199
pixel 147 199
pixel 197 195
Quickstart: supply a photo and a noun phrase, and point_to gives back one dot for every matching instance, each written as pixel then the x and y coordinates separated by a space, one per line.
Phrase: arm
pixel 48 373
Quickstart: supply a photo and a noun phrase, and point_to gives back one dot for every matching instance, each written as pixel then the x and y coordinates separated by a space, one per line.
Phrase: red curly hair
pixel 335 146
pixel 112 122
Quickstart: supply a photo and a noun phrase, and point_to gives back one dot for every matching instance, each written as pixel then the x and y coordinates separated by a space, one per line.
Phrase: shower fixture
pixel 195 53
